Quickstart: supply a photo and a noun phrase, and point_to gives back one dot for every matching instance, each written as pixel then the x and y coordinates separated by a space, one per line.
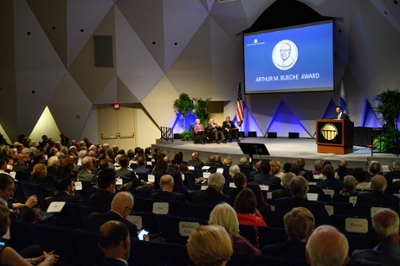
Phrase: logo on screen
pixel 285 54
pixel 329 131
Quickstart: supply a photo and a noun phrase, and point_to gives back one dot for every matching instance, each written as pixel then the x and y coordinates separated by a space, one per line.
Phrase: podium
pixel 334 136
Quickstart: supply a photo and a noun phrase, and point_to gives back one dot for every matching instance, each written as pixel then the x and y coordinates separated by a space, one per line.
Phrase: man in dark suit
pixel 196 161
pixel 20 165
pixel 65 191
pixel 230 130
pixel 121 207
pixel 393 174
pixel 299 188
pixel 285 191
pixel 385 224
pixel 265 178
pixel 217 130
pixel 166 194
pixel 53 166
pixel 141 169
pixel 340 115
pixel 378 197
pixel 115 242
pixel 330 182
pixel 106 191
pixel 213 195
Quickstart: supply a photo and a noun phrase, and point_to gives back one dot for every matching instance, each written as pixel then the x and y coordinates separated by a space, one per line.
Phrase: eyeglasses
pixel 130 208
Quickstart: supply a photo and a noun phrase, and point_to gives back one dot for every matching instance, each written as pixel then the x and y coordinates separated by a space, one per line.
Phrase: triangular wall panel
pixel 47 124
pixel 249 123
pixel 369 118
pixel 124 95
pixel 109 95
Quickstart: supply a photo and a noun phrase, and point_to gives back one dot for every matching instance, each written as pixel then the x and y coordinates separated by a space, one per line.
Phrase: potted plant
pixel 201 110
pixel 389 108
pixel 184 106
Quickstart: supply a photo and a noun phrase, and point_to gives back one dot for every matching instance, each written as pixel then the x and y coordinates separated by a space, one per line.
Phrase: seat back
pixel 271 235
pixel 248 231
pixel 84 212
pixel 88 248
pixel 86 192
pixel 145 220
pixel 30 189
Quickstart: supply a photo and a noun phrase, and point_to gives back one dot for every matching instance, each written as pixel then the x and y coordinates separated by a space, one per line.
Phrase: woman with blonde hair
pixel 224 215
pixel 39 176
pixel 209 245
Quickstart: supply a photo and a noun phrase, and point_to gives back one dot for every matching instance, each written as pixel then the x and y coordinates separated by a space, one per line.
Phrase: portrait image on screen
pixel 295 59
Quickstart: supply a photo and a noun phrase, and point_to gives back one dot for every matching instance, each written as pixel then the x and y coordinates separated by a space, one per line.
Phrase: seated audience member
pixel 157 152
pixel 166 193
pixel 299 188
pixel 125 172
pixel 317 172
pixel 340 172
pixel 227 161
pixel 115 242
pixel 209 245
pixel 327 247
pixel 234 169
pixel 262 205
pixel 147 154
pixel 161 167
pixel 39 176
pixel 301 163
pixel 257 166
pixel 213 194
pixel 171 167
pixel 243 162
pixel 195 161
pixel 393 174
pixel 24 212
pixel 179 187
pixel 385 224
pixel 86 171
pixel 230 130
pixel 199 131
pixel 21 163
pixel 265 178
pixel 299 224
pixel 106 191
pixel 141 168
pixel 276 169
pixel 246 209
pixel 378 197
pixel 285 191
pixel 178 158
pixel 361 177
pixel 121 207
pixel 53 166
pixel 65 191
pixel 240 182
pixel 8 256
pixel 224 215
pixel 330 182
pixel 373 170
pixel 215 129
pixel 349 188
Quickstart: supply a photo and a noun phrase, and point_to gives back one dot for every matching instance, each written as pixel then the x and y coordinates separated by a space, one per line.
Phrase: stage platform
pixel 281 149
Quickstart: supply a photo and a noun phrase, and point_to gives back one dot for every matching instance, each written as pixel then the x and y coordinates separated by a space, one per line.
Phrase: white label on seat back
pixel 149 163
pixel 206 174
pixel 78 185
pixel 206 167
pixel 136 220
pixel 151 178
pixel 56 206
pixel 191 167
pixel 183 177
pixel 204 187
pixel 220 170
pixel 312 196
pixel 160 207
pixel 232 185
pixel 329 192
pixel 376 209
pixel 119 181
pixel 330 209
pixel 269 195
pixel 186 228
pixel 353 200
pixel 264 187
pixel 356 225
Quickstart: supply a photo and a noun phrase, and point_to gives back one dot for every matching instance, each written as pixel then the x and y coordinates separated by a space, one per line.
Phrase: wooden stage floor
pixel 281 149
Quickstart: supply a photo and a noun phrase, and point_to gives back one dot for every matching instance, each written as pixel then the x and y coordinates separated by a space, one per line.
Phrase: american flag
pixel 239 107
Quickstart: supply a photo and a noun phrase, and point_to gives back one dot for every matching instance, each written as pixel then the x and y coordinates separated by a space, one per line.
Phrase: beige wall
pixel 45 126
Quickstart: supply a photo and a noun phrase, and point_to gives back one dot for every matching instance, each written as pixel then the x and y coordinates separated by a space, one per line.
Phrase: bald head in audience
pixel 122 204
pixel 114 240
pixel 385 224
pixel 327 247
pixel 378 183
pixel 167 183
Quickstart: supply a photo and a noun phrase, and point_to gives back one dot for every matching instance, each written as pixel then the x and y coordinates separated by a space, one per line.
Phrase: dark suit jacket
pixel 21 167
pixel 64 196
pixel 380 255
pixel 96 220
pixel 264 179
pixel 208 197
pixel 124 172
pixel 331 184
pixel 44 183
pixel 295 248
pixel 378 199
pixel 225 125
pixel 281 193
pixel 141 170
pixel 101 199
pixel 317 208
pixel 168 196
pixel 232 193
pixel 112 262
pixel 195 163
pixel 389 177
pixel 344 116
pixel 53 171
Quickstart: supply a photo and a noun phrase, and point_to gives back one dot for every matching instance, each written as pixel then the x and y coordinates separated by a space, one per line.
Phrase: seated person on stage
pixel 217 130
pixel 115 242
pixel 199 131
pixel 327 246
pixel 224 215
pixel 385 226
pixel 340 115
pixel 230 130
pixel 299 224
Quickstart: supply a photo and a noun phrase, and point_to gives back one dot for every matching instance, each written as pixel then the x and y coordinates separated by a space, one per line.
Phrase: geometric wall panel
pixel 124 95
pixel 45 125
pixel 249 123
pixel 70 110
pixel 109 95
pixel 369 118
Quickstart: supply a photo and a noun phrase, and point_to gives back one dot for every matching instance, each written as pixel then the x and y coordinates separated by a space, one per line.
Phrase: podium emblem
pixel 329 131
